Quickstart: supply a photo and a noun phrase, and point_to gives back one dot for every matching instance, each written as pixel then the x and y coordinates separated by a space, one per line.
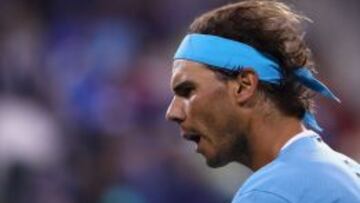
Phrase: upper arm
pixel 257 196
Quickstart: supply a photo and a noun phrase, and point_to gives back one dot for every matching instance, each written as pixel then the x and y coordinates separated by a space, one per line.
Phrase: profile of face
pixel 205 108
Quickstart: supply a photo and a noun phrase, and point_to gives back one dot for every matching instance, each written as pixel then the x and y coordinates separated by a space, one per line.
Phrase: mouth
pixel 194 137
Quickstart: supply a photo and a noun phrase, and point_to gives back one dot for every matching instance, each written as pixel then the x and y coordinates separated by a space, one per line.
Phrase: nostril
pixel 171 117
pixel 177 120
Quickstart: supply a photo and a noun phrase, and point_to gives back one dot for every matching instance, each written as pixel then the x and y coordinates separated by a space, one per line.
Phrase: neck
pixel 266 137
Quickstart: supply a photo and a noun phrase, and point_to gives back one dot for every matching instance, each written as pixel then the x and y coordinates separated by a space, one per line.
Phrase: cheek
pixel 204 110
pixel 211 113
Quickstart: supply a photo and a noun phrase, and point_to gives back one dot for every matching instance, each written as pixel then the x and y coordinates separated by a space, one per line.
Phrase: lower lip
pixel 198 149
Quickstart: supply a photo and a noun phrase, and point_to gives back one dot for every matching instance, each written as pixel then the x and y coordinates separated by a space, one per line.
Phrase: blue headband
pixel 233 55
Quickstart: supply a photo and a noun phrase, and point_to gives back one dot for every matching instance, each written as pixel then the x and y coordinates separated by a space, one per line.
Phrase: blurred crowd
pixel 84 86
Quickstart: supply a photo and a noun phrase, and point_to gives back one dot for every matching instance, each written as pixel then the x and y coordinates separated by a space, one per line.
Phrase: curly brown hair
pixel 272 28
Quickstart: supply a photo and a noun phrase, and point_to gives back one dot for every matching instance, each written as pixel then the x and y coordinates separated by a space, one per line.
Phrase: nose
pixel 175 111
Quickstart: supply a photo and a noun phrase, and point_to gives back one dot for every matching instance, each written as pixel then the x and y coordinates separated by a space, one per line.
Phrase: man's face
pixel 204 108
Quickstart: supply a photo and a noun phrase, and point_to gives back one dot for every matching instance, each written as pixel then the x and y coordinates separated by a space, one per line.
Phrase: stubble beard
pixel 237 150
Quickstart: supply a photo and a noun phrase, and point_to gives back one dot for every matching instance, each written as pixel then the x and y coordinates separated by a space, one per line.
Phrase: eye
pixel 185 92
pixel 184 89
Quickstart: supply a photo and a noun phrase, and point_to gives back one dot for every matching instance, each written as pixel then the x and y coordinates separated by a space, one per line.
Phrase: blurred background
pixel 84 85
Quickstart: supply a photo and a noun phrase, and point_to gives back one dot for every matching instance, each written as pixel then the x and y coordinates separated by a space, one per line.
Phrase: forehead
pixel 184 70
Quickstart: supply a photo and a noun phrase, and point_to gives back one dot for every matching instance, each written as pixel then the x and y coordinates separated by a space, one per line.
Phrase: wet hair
pixel 274 29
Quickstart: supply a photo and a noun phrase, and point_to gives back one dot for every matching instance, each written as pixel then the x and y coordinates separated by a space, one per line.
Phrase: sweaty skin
pixel 227 119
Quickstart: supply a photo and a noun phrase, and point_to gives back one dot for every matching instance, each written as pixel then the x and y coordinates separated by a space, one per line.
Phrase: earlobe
pixel 247 82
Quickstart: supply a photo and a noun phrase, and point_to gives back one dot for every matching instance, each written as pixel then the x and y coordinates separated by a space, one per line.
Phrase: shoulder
pixel 260 196
pixel 279 178
pixel 282 182
pixel 303 177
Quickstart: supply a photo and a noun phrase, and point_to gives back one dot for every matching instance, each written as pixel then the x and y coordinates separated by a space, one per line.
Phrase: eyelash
pixel 185 92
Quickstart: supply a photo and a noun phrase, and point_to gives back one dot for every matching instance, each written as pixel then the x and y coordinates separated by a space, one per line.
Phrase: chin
pixel 216 163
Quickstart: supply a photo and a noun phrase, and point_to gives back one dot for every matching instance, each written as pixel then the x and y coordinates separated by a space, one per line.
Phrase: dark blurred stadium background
pixel 84 89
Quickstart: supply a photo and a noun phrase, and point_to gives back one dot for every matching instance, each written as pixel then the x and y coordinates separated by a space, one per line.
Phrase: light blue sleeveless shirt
pixel 306 171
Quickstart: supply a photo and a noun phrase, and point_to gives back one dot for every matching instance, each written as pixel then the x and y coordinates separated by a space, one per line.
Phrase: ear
pixel 246 85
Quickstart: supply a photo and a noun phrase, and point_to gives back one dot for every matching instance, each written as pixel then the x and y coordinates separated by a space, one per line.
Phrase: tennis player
pixel 243 80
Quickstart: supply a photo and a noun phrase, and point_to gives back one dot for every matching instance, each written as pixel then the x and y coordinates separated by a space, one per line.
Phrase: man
pixel 243 86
